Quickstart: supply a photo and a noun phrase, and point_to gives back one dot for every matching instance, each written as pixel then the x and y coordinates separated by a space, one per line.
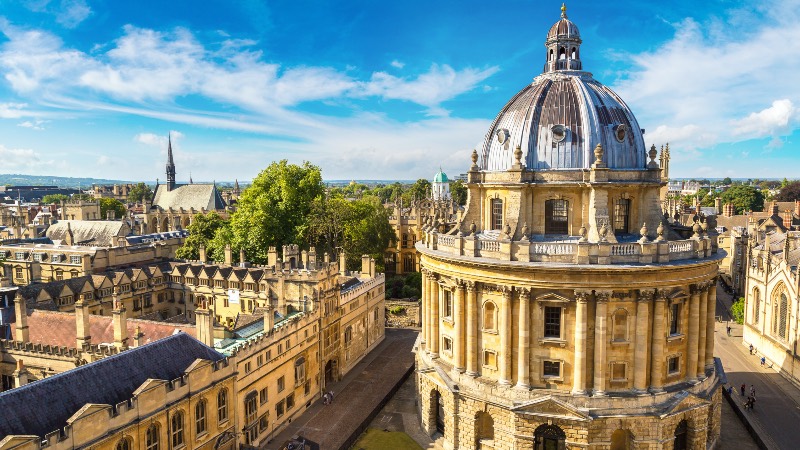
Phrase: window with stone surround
pixel 674 318
pixel 551 369
pixel 556 216
pixel 621 215
pixel 497 214
pixel 756 305
pixel 447 345
pixel 448 304
pixel 618 371
pixel 620 325
pixel 489 316
pixel 490 359
pixel 552 322
pixel 674 364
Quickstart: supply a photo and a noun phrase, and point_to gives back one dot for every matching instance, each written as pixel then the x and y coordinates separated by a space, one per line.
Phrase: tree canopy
pixel 139 193
pixel 201 232
pixel 109 204
pixel 54 198
pixel 789 193
pixel 744 198
pixel 459 192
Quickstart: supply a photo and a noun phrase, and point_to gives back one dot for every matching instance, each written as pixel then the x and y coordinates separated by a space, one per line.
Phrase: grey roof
pixel 188 196
pixel 102 233
pixel 44 406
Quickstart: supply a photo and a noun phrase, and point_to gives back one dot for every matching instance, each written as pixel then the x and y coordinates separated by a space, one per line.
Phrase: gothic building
pixel 562 311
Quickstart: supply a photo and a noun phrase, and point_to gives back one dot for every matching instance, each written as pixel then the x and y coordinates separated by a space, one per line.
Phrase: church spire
pixel 170 165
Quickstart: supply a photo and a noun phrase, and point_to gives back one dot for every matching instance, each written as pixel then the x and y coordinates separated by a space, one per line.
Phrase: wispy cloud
pixel 397 64
pixel 22 159
pixel 72 12
pixel 37 124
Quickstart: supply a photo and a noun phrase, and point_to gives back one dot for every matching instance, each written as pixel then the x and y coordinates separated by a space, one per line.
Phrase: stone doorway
pixel 439 411
pixel 330 372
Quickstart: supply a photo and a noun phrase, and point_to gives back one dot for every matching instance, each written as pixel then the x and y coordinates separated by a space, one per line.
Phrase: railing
pixel 489 246
pixel 553 249
pixel 625 249
pixel 680 246
pixel 447 241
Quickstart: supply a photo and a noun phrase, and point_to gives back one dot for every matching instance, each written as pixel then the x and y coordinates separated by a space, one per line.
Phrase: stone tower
pixel 170 165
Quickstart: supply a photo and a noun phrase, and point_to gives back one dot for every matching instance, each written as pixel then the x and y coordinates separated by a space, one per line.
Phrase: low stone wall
pixel 407 319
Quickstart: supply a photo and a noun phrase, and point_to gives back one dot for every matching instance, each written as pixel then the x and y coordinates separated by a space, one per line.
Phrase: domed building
pixel 441 187
pixel 562 311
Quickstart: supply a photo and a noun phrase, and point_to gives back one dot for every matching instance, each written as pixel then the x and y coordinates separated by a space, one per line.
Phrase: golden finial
pixel 563 10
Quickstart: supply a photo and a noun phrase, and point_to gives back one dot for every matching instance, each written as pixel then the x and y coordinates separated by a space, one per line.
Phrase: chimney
pixel 774 208
pixel 797 207
pixel 342 263
pixel 82 322
pixel 312 259
pixel 372 267
pixel 326 258
pixel 269 320
pixel 111 215
pixel 228 254
pixel 138 337
pixel 21 313
pixel 729 210
pixel 203 256
pixel 787 219
pixel 120 321
pixel 205 325
pixel 272 257
pixel 304 258
pixel 365 265
pixel 242 262
pixel 718 206
pixel 20 375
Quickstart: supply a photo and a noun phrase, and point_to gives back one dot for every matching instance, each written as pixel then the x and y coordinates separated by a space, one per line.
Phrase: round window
pixel 502 135
pixel 620 131
pixel 559 132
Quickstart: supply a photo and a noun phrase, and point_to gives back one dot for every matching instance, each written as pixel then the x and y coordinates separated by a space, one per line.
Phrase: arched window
pixel 151 438
pixel 783 313
pixel 620 325
pixel 124 444
pixel 497 214
pixel 200 417
pixel 681 434
pixel 756 305
pixel 489 316
pixel 550 55
pixel 177 429
pixel 299 371
pixel 549 437
pixel 348 335
pixel 622 209
pixel 556 217
pixel 562 53
pixel 484 428
pixel 621 440
pixel 222 405
pixel 250 415
pixel 574 53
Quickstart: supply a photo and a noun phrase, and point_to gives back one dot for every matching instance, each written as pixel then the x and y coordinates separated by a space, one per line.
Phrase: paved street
pixel 776 415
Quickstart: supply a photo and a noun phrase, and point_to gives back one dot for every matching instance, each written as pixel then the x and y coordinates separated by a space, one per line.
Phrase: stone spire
pixel 170 165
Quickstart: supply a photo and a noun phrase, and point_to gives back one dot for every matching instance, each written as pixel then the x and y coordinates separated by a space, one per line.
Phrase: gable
pixel 685 402
pixel 552 408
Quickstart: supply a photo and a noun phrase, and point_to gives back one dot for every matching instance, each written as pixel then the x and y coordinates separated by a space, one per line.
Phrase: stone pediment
pixel 552 408
pixel 686 402
pixel 552 297
pixel 87 410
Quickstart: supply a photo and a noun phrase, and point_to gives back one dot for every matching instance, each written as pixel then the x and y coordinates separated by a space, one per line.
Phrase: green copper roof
pixel 440 177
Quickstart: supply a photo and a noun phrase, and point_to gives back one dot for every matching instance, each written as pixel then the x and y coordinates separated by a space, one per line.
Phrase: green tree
pixel 54 198
pixel 459 192
pixel 419 190
pixel 84 197
pixel 111 204
pixel 737 311
pixel 201 231
pixel 789 192
pixel 744 198
pixel 273 211
pixel 727 181
pixel 139 193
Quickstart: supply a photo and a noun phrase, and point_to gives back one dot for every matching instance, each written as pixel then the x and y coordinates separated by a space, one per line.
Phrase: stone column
pixel 429 313
pixel 424 307
pixel 657 346
pixel 693 333
pixel 711 314
pixel 524 341
pixel 640 353
pixel 435 300
pixel 458 327
pixel 472 329
pixel 600 342
pixel 701 341
pixel 505 337
pixel 579 365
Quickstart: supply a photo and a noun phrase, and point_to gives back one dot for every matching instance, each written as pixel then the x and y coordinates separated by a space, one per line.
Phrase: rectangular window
pixel 19 255
pixel 281 384
pixel 260 360
pixel 269 355
pixel 290 402
pixel 448 304
pixel 307 388
pixel 675 314
pixel 247 367
pixel 262 396
pixel 490 359
pixel 556 217
pixel 551 369
pixel 262 423
pixel 552 322
pixel 497 214
pixel 38 257
pixel 447 344
pixel 673 364
pixel 618 371
pixel 621 215
pixel 279 409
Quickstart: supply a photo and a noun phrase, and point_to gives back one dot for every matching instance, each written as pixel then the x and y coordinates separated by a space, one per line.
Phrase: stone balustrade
pixel 568 252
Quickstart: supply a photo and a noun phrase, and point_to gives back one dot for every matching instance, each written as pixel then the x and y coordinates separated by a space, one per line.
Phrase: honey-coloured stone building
pixel 562 311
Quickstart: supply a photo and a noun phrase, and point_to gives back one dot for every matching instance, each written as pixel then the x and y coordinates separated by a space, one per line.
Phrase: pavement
pixel 401 413
pixel 357 396
pixel 776 414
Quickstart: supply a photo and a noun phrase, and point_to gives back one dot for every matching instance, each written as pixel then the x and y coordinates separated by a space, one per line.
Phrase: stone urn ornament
pixel 583 232
pixel 603 232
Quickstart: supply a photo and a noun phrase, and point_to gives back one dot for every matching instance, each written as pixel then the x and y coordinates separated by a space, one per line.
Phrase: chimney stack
pixel 269 320
pixel 21 313
pixel 787 219
pixel 203 255
pixel 342 264
pixel 205 325
pixel 120 321
pixel 228 254
pixel 272 257
pixel 82 322
pixel 718 206
pixel 774 208
pixel 365 266
pixel 242 262
pixel 312 259
pixel 20 375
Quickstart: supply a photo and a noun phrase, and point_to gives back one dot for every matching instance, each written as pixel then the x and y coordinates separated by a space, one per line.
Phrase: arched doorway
pixel 549 437
pixel 681 436
pixel 622 440
pixel 484 431
pixel 438 411
pixel 330 371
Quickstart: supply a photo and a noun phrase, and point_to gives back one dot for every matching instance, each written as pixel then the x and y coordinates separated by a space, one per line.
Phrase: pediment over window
pixel 685 401
pixel 552 408
pixel 553 297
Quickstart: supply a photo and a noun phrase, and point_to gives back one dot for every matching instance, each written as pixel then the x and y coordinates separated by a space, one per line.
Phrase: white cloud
pixel 397 64
pixel 158 140
pixel 701 87
pixel 72 12
pixel 12 110
pixel 22 159
pixel 37 124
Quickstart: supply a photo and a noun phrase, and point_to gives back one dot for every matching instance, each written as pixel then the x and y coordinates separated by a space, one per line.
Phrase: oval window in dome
pixel 559 132
pixel 620 132
pixel 502 135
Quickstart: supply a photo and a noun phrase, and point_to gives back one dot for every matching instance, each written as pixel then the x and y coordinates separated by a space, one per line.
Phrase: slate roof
pixel 102 233
pixel 188 196
pixel 44 406
pixel 59 329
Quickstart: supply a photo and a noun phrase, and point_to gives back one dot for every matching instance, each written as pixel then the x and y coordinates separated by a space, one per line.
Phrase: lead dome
pixel 560 117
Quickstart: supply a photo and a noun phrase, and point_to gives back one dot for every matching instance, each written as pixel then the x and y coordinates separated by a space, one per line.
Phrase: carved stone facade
pixel 558 314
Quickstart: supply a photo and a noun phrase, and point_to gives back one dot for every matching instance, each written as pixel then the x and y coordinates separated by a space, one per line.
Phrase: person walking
pixel 744 386
pixel 763 361
pixel 751 349
pixel 752 391
pixel 729 330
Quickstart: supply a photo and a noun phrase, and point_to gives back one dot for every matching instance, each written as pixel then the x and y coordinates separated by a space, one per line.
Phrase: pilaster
pixel 693 333
pixel 458 327
pixel 524 341
pixel 640 360
pixel 600 342
pixel 472 328
pixel 579 364
pixel 657 345
pixel 505 337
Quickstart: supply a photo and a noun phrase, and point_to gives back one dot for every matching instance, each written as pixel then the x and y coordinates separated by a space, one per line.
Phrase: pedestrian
pixel 744 386
pixel 330 394
pixel 752 391
pixel 763 361
pixel 751 349
pixel 729 330
pixel 325 399
pixel 730 390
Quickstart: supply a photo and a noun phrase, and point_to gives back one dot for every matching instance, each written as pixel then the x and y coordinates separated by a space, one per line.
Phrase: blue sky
pixel 376 89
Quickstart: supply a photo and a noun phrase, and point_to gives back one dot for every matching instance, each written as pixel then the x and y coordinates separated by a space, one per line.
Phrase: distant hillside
pixel 48 180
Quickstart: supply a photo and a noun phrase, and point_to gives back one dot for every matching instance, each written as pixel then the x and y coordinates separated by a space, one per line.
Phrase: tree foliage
pixel 419 190
pixel 789 193
pixel 744 198
pixel 109 204
pixel 459 192
pixel 139 193
pixel 201 231
pixel 54 198
pixel 737 311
